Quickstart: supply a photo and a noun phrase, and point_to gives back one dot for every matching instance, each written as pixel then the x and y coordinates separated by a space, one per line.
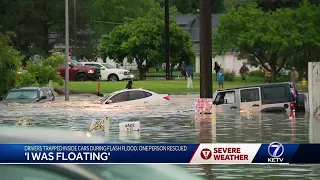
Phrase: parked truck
pixel 78 72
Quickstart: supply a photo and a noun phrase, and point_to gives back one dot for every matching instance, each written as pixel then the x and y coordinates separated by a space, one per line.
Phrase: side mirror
pixel 70 65
pixel 225 101
pixel 214 102
pixel 109 101
pixel 103 68
pixel 43 97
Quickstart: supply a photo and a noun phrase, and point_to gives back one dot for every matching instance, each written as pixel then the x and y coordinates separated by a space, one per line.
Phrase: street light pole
pixel 75 28
pixel 205 49
pixel 67 51
pixel 166 38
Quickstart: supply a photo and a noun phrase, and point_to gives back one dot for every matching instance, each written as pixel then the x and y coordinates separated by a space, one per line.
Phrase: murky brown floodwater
pixel 175 123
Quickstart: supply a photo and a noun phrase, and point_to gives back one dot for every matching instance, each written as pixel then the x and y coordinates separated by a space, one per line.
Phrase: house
pixel 191 24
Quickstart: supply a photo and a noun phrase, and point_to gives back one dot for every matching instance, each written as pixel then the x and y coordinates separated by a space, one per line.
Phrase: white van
pixel 276 97
pixel 110 73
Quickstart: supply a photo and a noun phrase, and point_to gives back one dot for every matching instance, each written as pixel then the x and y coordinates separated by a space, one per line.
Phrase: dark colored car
pixel 78 72
pixel 29 95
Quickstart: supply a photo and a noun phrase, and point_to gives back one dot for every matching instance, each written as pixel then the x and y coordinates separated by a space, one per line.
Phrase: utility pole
pixel 67 52
pixel 75 28
pixel 166 39
pixel 205 49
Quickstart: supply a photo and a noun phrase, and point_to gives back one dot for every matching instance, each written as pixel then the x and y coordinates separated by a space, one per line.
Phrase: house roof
pixel 191 24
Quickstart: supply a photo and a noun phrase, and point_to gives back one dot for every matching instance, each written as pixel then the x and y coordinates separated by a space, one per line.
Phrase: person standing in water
pixel 129 85
pixel 189 74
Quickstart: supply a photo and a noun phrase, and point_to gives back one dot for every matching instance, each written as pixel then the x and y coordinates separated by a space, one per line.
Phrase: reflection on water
pixel 175 123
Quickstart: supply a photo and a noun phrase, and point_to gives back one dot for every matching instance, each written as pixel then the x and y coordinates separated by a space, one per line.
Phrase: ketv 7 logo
pixel 275 150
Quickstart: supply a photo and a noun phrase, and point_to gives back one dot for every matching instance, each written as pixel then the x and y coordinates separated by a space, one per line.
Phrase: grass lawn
pixel 159 86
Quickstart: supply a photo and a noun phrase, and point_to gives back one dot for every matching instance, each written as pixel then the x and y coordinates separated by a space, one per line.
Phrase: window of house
pixel 250 95
pixel 227 97
pixel 121 97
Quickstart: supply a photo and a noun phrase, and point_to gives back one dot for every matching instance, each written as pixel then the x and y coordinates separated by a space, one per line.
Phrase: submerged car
pixel 29 95
pixel 275 97
pixel 136 96
pixel 76 171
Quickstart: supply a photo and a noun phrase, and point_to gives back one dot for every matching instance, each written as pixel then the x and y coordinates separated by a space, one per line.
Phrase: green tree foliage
pixel 307 19
pixel 230 4
pixel 39 24
pixel 32 21
pixel 266 5
pixel 43 70
pixel 266 37
pixel 192 6
pixel 142 41
pixel 10 62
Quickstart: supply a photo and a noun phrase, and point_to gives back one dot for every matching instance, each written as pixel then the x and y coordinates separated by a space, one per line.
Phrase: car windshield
pixel 107 66
pixel 138 172
pixel 22 94
pixel 106 97
pixel 74 62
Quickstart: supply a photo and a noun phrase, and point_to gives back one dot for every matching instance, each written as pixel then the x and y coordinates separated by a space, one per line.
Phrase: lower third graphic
pixel 206 153
pixel 275 150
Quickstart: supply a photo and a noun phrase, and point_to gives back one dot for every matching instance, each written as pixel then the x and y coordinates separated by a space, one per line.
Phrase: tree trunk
pixel 274 74
pixel 142 71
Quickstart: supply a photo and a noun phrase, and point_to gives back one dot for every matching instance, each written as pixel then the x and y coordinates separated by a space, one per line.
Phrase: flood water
pixel 175 123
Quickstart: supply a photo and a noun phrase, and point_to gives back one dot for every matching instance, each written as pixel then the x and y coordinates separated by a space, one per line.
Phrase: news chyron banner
pixel 160 153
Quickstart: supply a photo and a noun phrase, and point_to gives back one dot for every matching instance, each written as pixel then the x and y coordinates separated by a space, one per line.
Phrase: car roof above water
pixel 126 90
pixel 253 86
pixel 29 88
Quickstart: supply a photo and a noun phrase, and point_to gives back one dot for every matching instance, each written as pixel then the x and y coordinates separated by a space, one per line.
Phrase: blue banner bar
pixel 96 153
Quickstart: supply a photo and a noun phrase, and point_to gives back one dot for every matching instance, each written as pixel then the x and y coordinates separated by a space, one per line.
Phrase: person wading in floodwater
pixel 217 69
pixel 129 85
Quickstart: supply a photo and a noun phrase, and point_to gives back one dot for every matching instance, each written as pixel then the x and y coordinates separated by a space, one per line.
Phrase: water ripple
pixel 175 123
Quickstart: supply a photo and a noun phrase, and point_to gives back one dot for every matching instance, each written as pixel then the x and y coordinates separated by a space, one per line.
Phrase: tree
pixel 192 6
pixel 261 37
pixel 32 21
pixel 308 25
pixel 42 70
pixel 266 5
pixel 230 4
pixel 10 61
pixel 142 41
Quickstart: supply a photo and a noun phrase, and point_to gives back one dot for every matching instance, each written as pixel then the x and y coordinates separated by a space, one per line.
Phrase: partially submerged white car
pixel 136 96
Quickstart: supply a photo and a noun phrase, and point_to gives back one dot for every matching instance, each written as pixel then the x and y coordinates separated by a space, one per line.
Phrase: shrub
pixel 230 75
pixel 10 62
pixel 256 73
pixel 42 70
pixel 26 79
